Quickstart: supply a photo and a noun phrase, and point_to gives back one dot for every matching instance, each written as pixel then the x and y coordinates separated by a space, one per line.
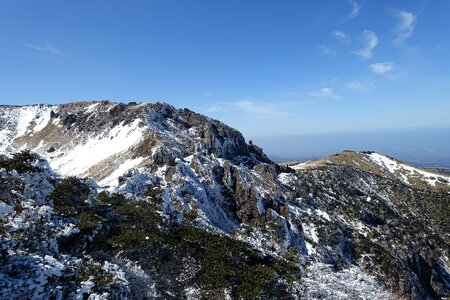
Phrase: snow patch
pixel 407 172
pixel 322 282
pixel 83 156
pixel 111 180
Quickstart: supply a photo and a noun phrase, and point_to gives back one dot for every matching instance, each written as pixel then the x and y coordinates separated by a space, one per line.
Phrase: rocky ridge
pixel 360 223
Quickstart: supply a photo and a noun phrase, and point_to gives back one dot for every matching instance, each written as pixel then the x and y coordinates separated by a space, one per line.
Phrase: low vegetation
pixel 20 161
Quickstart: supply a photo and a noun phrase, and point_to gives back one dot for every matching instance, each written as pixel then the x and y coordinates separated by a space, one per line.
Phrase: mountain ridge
pixel 352 214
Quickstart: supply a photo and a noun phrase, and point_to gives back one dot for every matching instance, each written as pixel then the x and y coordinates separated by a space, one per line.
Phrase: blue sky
pixel 268 68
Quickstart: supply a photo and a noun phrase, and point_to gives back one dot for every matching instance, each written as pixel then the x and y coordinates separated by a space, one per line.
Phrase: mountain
pixel 147 201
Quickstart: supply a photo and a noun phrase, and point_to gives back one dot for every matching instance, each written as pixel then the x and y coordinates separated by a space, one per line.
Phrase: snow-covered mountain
pixel 173 204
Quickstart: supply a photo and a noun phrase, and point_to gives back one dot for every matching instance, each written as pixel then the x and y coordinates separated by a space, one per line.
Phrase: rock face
pixel 178 184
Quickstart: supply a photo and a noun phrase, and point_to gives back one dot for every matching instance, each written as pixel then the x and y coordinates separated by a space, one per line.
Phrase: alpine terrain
pixel 104 200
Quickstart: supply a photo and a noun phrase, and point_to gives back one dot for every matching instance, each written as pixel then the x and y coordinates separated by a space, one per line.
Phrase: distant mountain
pixel 145 201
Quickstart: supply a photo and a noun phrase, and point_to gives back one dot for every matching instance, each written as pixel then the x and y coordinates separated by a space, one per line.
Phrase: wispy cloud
pixel 370 40
pixel 214 108
pixel 405 26
pixel 388 70
pixel 257 108
pixel 382 68
pixel 356 7
pixel 325 92
pixel 324 50
pixel 342 36
pixel 46 48
pixel 359 86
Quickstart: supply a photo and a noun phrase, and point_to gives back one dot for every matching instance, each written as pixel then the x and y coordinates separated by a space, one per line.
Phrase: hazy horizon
pixel 423 147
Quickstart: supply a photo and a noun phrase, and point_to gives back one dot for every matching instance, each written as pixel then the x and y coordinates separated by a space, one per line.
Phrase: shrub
pixel 140 226
pixel 227 262
pixel 70 191
pixel 114 199
pixel 21 162
pixel 190 216
pixel 88 219
pixel 69 196
pixel 153 193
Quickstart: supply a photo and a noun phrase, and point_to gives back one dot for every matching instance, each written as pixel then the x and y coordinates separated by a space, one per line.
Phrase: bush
pixel 227 262
pixel 70 191
pixel 190 216
pixel 255 281
pixel 88 220
pixel 21 162
pixel 69 194
pixel 114 199
pixel 140 226
pixel 153 193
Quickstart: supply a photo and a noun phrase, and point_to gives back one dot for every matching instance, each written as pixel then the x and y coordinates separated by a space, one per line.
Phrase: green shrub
pixel 71 191
pixel 140 226
pixel 288 267
pixel 227 262
pixel 2 228
pixel 190 216
pixel 255 281
pixel 99 276
pixel 21 162
pixel 114 199
pixel 88 219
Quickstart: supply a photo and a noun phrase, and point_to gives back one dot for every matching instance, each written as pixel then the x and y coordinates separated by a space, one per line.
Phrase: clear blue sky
pixel 265 67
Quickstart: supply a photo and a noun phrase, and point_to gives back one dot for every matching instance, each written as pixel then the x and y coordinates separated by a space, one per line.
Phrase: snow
pixel 310 232
pixel 5 209
pixel 382 160
pixel 300 166
pixel 4 140
pixel 285 178
pixel 111 180
pixel 86 286
pixel 323 214
pixel 83 156
pixel 407 172
pixel 28 114
pixel 322 282
pixel 91 107
pixel 69 229
pixel 192 293
pixel 309 247
pixel 19 121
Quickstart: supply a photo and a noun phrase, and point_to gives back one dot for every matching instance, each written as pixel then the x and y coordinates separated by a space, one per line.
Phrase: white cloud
pixel 354 13
pixel 43 48
pixel 340 35
pixel 359 86
pixel 370 40
pixel 382 68
pixel 324 50
pixel 325 92
pixel 405 26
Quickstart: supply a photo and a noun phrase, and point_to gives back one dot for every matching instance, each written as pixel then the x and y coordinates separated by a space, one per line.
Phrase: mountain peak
pixel 112 135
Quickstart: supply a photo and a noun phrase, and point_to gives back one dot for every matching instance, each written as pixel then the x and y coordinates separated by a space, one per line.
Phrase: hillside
pixel 148 201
